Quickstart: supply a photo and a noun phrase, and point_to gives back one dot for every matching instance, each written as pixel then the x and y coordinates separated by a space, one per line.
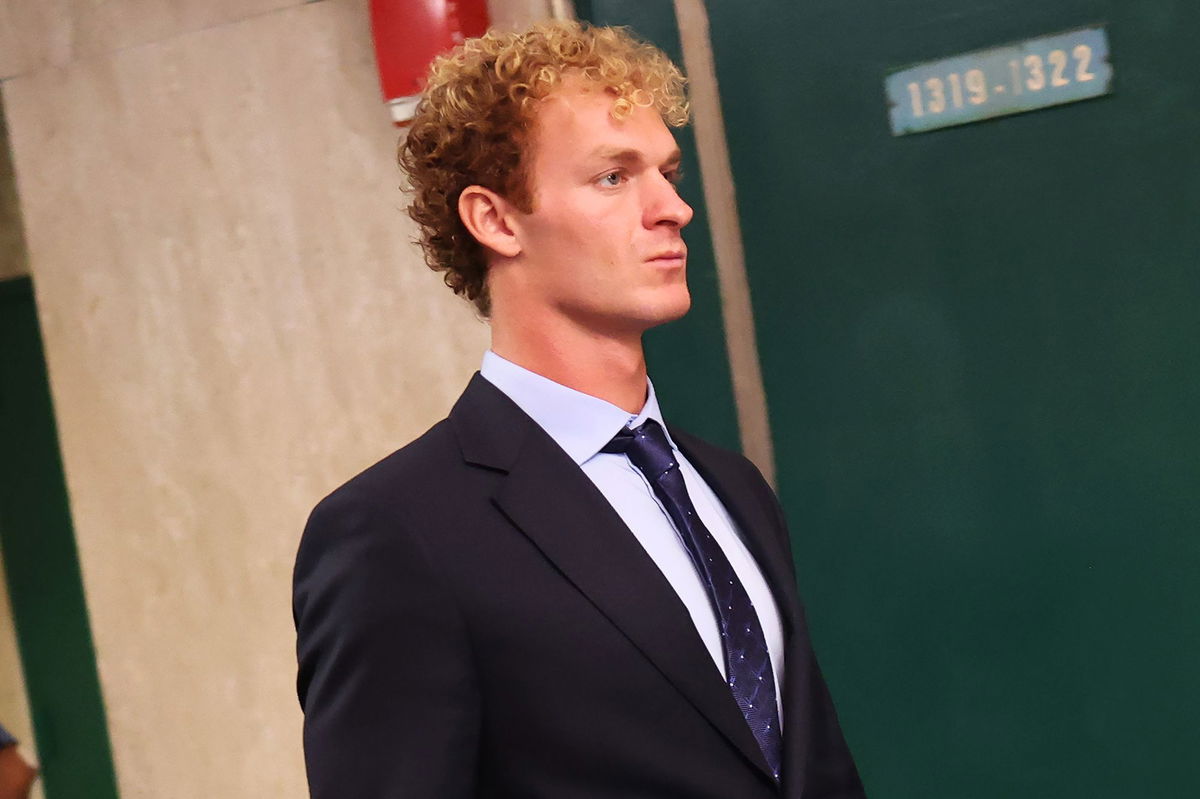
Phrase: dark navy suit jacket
pixel 475 620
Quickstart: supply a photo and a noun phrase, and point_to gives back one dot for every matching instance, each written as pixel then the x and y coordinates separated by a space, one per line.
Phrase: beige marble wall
pixel 38 33
pixel 235 320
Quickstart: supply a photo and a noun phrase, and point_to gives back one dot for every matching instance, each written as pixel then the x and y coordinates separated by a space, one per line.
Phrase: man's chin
pixel 670 311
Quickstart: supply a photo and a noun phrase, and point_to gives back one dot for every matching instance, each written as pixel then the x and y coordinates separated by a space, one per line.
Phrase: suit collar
pixel 489 426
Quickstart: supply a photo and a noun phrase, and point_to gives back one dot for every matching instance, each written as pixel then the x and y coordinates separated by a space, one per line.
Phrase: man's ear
pixel 486 215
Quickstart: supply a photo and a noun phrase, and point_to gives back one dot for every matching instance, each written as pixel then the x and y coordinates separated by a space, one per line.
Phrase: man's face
pixel 602 246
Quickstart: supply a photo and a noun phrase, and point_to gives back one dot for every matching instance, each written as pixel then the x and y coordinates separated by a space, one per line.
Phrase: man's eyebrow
pixel 628 157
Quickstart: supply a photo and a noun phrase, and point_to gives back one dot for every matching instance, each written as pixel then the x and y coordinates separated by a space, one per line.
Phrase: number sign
pixel 1050 70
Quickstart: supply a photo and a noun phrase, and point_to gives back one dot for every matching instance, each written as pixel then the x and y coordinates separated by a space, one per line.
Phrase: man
pixel 549 594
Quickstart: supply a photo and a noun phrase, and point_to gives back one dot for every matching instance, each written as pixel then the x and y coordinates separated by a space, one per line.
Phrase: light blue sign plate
pixel 1050 70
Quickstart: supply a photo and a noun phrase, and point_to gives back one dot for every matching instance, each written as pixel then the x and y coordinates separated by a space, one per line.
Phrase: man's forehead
pixel 582 110
pixel 575 93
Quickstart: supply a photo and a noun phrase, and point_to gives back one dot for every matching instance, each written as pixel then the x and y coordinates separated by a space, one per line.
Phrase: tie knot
pixel 647 448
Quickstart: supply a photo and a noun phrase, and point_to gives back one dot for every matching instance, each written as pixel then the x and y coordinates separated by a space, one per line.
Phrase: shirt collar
pixel 579 423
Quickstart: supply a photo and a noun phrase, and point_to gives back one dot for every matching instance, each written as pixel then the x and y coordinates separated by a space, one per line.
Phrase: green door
pixel 981 349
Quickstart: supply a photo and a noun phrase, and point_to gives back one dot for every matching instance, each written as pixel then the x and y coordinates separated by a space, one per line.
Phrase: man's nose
pixel 665 206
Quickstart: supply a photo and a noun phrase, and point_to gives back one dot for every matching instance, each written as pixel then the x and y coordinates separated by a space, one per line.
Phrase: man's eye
pixel 674 176
pixel 611 179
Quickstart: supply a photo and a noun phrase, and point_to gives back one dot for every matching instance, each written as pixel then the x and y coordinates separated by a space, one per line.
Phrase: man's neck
pixel 610 368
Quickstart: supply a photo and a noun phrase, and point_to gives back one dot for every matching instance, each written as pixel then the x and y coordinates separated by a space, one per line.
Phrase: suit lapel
pixel 548 497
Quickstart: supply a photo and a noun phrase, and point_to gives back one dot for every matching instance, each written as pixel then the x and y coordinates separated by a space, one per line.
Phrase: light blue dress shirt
pixel 581 424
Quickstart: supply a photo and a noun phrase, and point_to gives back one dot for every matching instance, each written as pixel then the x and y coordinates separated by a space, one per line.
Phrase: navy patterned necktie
pixel 747 661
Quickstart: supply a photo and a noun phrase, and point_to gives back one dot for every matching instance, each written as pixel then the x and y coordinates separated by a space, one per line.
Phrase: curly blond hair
pixel 475 119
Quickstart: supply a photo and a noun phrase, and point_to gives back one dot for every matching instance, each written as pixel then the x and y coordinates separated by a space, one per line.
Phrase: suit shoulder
pixel 409 472
pixel 703 448
pixel 730 469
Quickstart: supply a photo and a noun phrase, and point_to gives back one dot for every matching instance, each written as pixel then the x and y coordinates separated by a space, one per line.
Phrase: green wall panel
pixel 980 349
